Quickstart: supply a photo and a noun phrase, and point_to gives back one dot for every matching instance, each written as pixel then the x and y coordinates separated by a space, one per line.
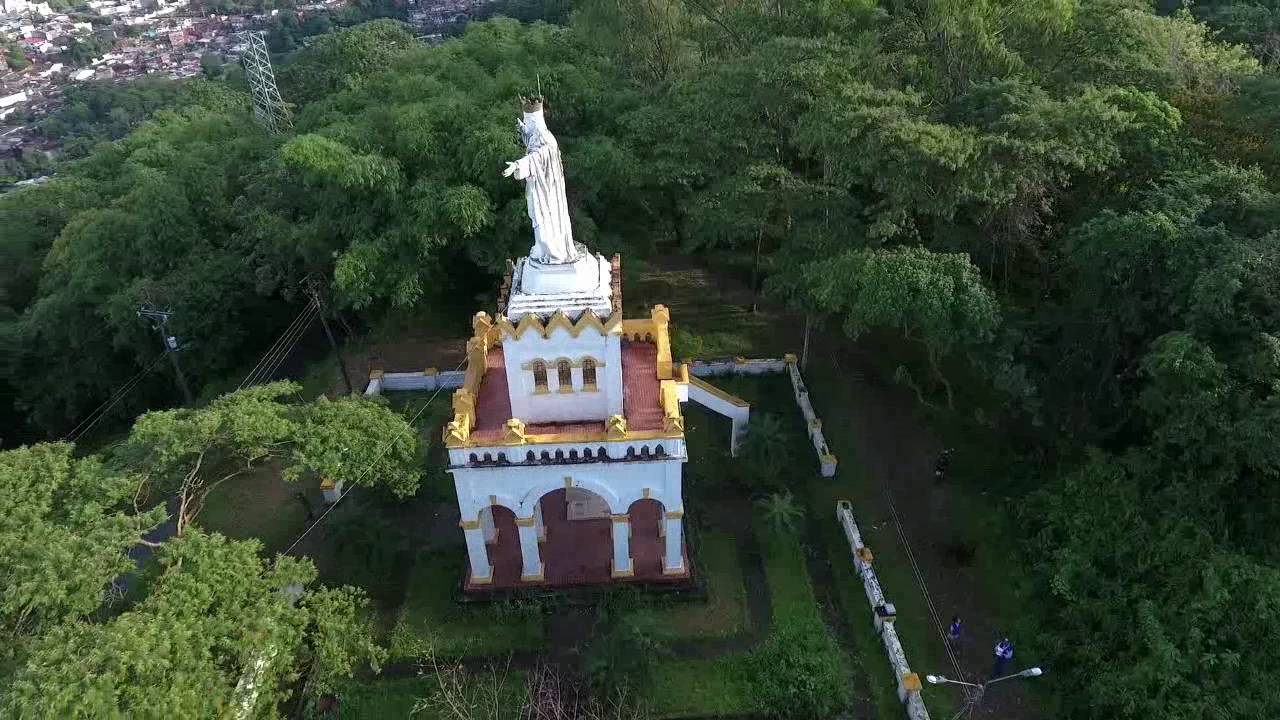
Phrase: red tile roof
pixel 641 397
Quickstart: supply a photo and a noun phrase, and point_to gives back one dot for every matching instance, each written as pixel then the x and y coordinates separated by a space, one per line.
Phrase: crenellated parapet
pixel 587 321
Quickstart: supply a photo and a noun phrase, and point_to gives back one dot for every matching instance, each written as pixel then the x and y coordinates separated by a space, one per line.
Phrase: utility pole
pixel 313 289
pixel 158 320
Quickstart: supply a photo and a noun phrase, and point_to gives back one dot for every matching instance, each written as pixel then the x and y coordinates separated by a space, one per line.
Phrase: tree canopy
pixel 1071 205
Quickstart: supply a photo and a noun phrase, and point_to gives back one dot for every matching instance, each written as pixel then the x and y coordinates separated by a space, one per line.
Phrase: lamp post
pixel 979 689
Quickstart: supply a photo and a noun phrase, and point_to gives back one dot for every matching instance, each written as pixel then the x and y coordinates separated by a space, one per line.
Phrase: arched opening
pixel 579 544
pixel 502 539
pixel 539 376
pixel 647 541
pixel 588 374
pixel 564 375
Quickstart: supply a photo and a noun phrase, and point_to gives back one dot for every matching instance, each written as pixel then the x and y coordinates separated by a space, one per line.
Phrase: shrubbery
pixel 797 673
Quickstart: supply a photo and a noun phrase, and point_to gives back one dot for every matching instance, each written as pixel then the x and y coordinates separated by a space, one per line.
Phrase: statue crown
pixel 531 104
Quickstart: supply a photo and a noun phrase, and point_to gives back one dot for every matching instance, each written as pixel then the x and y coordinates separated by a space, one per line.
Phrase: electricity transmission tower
pixel 267 103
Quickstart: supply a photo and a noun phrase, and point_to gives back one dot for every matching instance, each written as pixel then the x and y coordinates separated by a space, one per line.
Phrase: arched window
pixel 539 376
pixel 588 374
pixel 530 457
pixel 586 453
pixel 573 456
pixel 660 451
pixel 602 453
pixel 564 372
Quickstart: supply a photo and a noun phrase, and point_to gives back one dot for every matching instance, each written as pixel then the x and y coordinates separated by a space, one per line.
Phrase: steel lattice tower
pixel 268 106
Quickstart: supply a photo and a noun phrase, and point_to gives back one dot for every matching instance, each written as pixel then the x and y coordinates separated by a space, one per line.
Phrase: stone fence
pixel 883 616
pixel 428 380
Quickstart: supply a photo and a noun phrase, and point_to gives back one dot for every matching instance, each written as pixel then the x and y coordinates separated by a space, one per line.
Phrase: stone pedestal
pixel 572 288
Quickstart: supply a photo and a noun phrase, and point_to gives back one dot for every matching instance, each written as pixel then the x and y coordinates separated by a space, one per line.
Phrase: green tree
pixel 66 527
pixel 781 511
pixel 191 452
pixel 217 620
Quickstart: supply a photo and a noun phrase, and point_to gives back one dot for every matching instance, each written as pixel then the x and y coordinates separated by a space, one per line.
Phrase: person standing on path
pixel 953 633
pixel 1004 654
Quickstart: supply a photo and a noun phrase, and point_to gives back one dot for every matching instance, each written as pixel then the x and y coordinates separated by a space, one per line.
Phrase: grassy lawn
pixel 431 620
pixel 258 504
pixel 398 697
pixel 722 614
pixel 724 685
pixel 701 688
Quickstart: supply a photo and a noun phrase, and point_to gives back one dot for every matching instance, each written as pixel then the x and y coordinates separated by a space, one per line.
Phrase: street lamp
pixel 979 689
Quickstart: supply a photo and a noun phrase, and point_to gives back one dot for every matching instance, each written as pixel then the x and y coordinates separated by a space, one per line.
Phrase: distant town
pixel 43 50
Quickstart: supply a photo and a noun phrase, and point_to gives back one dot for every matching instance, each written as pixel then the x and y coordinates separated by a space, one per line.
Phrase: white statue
pixel 543 177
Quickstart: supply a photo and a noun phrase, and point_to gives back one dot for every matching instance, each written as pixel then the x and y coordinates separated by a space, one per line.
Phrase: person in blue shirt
pixel 954 631
pixel 1004 654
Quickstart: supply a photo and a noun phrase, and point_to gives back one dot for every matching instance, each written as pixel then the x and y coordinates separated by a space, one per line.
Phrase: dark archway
pixel 579 542
pixel 646 537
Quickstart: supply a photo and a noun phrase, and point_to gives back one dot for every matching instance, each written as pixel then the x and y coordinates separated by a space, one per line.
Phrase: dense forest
pixel 1067 213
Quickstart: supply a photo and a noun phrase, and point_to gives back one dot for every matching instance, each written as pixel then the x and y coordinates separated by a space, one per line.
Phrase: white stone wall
pixel 428 380
pixel 718 401
pixel 826 458
pixel 736 366
pixel 555 405
pixel 519 487
pixel 883 616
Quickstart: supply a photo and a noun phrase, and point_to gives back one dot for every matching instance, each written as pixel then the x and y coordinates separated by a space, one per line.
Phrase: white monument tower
pixel 567 442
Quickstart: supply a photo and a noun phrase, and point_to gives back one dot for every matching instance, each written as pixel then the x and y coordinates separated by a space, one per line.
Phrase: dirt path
pixel 898 451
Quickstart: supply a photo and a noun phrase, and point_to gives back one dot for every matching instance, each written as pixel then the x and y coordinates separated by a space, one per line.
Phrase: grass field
pixel 259 504
pixel 725 685
pixel 431 621
pixel 724 611
pixel 417 697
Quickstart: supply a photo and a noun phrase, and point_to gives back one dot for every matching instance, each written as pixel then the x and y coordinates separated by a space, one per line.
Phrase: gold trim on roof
pixel 532 323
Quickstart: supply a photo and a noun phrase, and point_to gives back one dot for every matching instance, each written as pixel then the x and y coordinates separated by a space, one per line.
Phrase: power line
pixel 369 467
pixel 101 411
pixel 290 335
pixel 269 370
pixel 924 587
